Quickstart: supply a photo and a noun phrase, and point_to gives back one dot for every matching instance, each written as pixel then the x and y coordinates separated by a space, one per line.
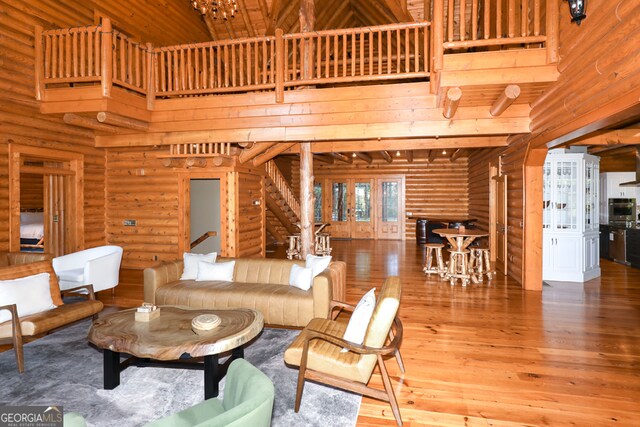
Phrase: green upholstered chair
pixel 247 401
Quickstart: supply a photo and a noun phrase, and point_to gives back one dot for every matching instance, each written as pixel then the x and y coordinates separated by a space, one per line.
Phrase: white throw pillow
pixel 31 294
pixel 317 263
pixel 301 277
pixel 190 269
pixel 222 271
pixel 359 322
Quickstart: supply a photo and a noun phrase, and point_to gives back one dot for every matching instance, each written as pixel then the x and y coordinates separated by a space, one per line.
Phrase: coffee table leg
pixel 211 376
pixel 111 369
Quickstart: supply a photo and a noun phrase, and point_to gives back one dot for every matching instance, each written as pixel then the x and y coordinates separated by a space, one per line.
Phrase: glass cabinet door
pixel 547 196
pixel 566 195
pixel 591 182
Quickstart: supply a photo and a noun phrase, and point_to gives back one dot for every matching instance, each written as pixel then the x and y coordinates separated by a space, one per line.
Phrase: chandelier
pixel 217 8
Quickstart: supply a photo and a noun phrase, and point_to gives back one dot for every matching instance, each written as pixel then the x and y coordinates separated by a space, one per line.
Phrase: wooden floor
pixel 494 355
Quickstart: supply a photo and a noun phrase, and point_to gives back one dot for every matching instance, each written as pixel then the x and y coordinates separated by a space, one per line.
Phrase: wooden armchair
pixel 318 350
pixel 39 323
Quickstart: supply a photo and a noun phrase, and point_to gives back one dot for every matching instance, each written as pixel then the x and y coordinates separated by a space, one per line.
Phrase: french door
pixel 351 208
pixel 391 212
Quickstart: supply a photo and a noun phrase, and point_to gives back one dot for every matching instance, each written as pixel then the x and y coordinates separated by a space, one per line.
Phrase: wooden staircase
pixel 283 207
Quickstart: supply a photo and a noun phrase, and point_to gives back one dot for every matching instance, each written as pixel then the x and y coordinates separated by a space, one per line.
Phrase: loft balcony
pixel 464 69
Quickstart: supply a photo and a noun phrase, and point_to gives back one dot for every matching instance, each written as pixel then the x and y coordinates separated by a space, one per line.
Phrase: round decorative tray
pixel 204 323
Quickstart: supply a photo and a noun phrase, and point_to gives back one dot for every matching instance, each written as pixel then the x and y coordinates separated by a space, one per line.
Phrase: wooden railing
pixel 386 52
pixel 482 23
pixel 283 187
pixel 216 67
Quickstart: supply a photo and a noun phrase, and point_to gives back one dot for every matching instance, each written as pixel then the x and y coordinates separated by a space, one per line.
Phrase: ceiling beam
pixel 322 158
pixel 431 155
pixel 342 157
pixel 250 153
pixel 457 154
pixel 89 123
pixel 385 155
pixel 274 14
pixel 398 9
pixel 451 102
pixel 506 98
pixel 601 149
pixel 247 19
pixel 278 148
pixel 364 156
pixel 409 155
pixel 211 26
pixel 121 121
pixel 621 136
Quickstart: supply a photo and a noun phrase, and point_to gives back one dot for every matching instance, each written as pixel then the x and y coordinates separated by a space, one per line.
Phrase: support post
pixel 437 50
pixel 307 24
pixel 152 60
pixel 306 199
pixel 553 22
pixel 39 72
pixel 106 72
pixel 280 64
pixel 532 239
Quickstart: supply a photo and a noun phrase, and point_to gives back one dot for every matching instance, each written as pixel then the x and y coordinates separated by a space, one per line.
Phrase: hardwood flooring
pixel 493 354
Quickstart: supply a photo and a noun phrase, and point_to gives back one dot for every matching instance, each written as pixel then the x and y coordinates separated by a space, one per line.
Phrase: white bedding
pixel 31 225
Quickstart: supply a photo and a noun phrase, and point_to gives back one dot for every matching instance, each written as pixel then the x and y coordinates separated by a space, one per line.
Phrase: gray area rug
pixel 63 369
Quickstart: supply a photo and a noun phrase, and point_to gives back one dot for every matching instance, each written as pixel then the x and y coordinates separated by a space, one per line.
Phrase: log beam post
pixel 280 64
pixel 106 72
pixel 431 155
pixel 272 152
pixel 532 238
pixel 195 162
pixel 86 122
pixel 506 98
pixel 249 153
pixel 437 50
pixel 121 121
pixel 553 22
pixel 342 157
pixel 364 156
pixel 39 72
pixel 151 60
pixel 307 239
pixel 386 156
pixel 451 102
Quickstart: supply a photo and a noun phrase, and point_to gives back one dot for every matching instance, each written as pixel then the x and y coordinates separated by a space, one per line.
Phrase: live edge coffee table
pixel 169 341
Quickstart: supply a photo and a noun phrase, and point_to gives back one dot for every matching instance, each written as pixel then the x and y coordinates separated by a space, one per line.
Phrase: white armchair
pixel 99 267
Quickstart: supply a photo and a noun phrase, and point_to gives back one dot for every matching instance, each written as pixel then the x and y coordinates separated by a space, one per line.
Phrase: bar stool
pixel 459 267
pixel 433 250
pixel 323 244
pixel 295 248
pixel 481 263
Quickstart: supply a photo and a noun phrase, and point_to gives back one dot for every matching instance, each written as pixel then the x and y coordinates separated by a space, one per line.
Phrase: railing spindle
pixel 487 19
pixel 344 55
pixel 512 18
pixel 362 36
pixel 499 19
pixel 226 65
pixel 176 71
pixel 536 17
pixel 47 57
pixel 463 20
pixel 138 66
pixel 451 10
pixel 189 67
pixel 524 23
pixel 474 20
pixel 335 55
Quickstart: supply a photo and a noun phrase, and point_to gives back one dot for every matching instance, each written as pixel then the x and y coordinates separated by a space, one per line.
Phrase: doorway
pixel 365 207
pixel 205 215
pixel 498 226
pixel 54 223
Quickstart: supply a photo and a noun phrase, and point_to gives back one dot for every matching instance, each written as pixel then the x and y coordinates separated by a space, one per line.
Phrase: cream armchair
pixel 317 351
pixel 98 266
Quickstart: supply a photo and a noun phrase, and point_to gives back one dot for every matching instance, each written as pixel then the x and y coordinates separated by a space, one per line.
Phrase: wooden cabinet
pixel 633 247
pixel 571 244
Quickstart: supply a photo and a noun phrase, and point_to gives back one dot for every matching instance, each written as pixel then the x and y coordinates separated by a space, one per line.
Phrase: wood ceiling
pixel 262 17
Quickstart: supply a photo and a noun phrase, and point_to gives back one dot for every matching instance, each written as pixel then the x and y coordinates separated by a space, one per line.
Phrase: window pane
pixel 363 202
pixel 390 201
pixel 339 196
pixel 317 205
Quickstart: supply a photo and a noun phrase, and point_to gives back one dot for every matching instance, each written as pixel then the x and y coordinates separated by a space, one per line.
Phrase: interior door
pixel 352 208
pixel 339 208
pixel 390 213
pixel 501 223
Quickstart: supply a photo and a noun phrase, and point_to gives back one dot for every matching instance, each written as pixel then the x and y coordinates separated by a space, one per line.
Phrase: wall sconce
pixel 576 9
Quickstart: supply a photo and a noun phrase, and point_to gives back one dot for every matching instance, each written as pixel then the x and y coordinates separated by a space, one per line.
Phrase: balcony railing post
pixel 437 31
pixel 107 57
pixel 553 20
pixel 280 64
pixel 39 72
pixel 151 76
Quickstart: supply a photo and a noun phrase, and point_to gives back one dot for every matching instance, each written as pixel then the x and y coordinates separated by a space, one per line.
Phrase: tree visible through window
pixel 390 201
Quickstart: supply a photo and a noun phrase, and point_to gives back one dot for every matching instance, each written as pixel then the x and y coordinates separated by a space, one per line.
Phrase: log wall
pixel 31 191
pixel 250 218
pixel 172 22
pixel 439 188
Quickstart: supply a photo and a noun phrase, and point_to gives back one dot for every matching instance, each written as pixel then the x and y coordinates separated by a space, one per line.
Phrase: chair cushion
pixel 328 358
pixel 14 271
pixel 279 304
pixel 30 294
pixel 51 319
pixel 73 275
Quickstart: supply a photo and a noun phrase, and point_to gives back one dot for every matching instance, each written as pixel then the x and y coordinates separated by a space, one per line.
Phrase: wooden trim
pixel 532 216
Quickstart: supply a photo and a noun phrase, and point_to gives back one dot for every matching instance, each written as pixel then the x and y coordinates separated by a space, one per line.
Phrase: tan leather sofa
pixel 23 265
pixel 260 284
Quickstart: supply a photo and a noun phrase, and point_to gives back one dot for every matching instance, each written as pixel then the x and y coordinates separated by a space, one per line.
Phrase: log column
pixel 306 199
pixel 307 240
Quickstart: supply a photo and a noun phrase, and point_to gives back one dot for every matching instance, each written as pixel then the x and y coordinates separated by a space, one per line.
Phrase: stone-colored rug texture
pixel 63 369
